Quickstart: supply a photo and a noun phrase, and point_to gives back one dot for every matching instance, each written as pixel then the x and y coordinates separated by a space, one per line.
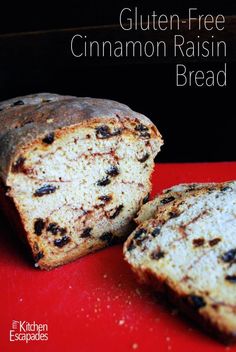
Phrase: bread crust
pixel 28 118
pixel 178 299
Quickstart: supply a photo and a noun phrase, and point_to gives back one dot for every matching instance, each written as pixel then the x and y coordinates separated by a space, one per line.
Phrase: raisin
pixel 104 181
pixel 116 132
pixel 215 306
pixel 18 165
pixel 140 241
pixel 156 231
pixel 143 158
pixel 158 254
pixel 173 214
pixel 45 189
pixel 61 242
pixel 117 211
pixel 227 188
pixel 104 131
pixel 167 191
pixel 38 256
pixel 105 198
pixel 39 226
pixel 145 135
pixel 106 237
pixel 113 171
pixel 86 232
pixel 197 301
pixel 167 200
pixel 18 103
pixel 146 198
pixel 54 228
pixel 197 242
pixel 214 241
pixel 49 138
pixel 231 278
pixel 131 246
pixel 229 256
pixel 139 233
pixel 141 128
pixel 143 131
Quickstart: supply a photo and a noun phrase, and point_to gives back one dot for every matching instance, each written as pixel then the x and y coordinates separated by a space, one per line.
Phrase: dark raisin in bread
pixel 76 171
pixel 188 251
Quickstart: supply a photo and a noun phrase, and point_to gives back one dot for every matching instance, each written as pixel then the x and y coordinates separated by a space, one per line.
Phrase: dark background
pixel 198 124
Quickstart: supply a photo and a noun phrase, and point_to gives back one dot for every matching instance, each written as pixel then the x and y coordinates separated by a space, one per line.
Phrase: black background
pixel 198 124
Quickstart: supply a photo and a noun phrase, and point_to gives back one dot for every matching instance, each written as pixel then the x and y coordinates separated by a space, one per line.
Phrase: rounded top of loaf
pixel 24 119
pixel 66 110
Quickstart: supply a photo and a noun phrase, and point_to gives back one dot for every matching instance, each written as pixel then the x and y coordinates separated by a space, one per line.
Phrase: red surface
pixel 95 304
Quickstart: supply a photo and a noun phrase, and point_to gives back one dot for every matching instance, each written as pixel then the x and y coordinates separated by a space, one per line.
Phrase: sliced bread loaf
pixel 188 251
pixel 75 170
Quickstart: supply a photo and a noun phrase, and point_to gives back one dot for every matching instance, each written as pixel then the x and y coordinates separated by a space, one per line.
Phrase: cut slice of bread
pixel 75 170
pixel 188 251
pixel 149 209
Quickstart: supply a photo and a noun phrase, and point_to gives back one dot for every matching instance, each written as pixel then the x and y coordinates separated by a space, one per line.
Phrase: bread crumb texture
pixel 188 248
pixel 77 172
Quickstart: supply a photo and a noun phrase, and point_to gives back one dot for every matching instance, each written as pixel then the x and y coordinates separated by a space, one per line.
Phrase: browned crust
pixel 149 278
pixel 40 114
pixel 70 256
pixel 77 253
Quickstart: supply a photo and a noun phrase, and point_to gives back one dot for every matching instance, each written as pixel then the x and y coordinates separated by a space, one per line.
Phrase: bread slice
pixel 188 251
pixel 76 170
pixel 149 209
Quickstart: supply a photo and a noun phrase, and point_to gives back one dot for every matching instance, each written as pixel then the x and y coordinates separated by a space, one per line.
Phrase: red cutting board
pixel 95 304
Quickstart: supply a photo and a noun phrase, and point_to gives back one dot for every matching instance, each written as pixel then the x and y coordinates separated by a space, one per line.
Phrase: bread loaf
pixel 188 251
pixel 75 170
